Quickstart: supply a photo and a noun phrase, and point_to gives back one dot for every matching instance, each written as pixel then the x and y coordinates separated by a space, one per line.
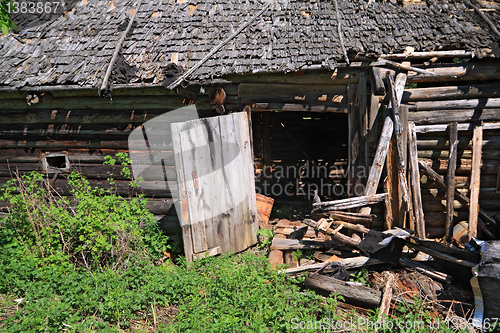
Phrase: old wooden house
pixel 313 75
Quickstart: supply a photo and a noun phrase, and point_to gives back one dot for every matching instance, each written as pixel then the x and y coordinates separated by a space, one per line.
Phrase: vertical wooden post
pixel 477 142
pixel 415 181
pixel 392 203
pixel 354 136
pixel 450 192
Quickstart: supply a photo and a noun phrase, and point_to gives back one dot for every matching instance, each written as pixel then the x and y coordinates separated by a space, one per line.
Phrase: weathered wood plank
pixel 350 202
pixel 460 104
pixel 415 181
pixel 461 127
pixel 450 195
pixel 477 138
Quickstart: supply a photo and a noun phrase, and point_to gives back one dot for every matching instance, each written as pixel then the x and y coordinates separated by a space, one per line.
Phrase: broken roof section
pixel 76 46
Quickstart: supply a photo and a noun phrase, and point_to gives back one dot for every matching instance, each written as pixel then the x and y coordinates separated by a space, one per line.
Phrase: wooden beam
pixel 450 192
pixel 431 54
pixel 347 263
pixel 415 181
pixel 486 90
pixel 377 81
pixel 477 143
pixel 385 304
pixel 378 161
pixel 402 67
pixel 391 201
pixel 444 117
pixel 334 234
pixel 458 104
pixel 466 127
pixel 350 202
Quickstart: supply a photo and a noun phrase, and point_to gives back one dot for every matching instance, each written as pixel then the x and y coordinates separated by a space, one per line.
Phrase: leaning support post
pixel 450 193
pixel 415 181
pixel 477 143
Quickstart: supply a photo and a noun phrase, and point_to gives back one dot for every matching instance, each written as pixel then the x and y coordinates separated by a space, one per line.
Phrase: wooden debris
pixel 335 235
pixel 350 202
pixel 424 269
pixel 351 217
pixel 295 244
pixel 348 263
pixel 397 65
pixel 385 304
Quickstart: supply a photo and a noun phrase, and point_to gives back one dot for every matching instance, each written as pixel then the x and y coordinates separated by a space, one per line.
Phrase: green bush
pixel 97 229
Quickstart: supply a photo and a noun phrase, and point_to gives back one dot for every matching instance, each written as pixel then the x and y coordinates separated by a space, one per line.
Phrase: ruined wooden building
pixel 316 77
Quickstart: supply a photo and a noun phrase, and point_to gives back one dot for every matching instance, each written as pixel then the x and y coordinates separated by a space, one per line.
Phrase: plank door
pixel 215 177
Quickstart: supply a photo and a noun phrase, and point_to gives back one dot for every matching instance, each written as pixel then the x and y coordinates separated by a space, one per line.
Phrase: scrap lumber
pixel 295 244
pixel 350 202
pixel 424 269
pixel 463 115
pixel 433 175
pixel 378 161
pixel 332 233
pixel 351 217
pixel 440 255
pixel 385 304
pixel 350 226
pixel 392 202
pixel 415 181
pixel 348 263
pixel 450 192
pixel 483 103
pixel 477 143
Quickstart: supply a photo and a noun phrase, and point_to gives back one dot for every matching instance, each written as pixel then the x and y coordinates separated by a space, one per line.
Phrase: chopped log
pixel 350 202
pixel 348 263
pixel 334 234
pixel 488 90
pixel 385 304
pixel 461 127
pixel 459 196
pixel 477 143
pixel 415 181
pixel 378 161
pixel 359 296
pixel 481 103
pixel 437 117
pixel 450 193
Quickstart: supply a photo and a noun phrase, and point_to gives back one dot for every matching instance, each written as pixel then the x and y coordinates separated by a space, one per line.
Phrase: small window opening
pixel 55 162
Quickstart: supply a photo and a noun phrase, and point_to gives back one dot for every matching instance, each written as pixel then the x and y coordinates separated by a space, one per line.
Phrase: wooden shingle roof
pixel 75 46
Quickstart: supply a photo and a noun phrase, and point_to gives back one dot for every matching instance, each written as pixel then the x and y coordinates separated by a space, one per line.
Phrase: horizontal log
pixel 462 181
pixel 342 76
pixel 157 189
pixel 295 244
pixel 266 90
pixel 488 90
pixel 462 154
pixel 447 116
pixel 47 101
pixel 461 127
pixel 350 202
pixel 62 144
pixel 484 193
pixel 78 116
pixel 471 71
pixel 428 55
pixel 355 295
pixel 342 108
pixel 493 142
pixel 488 167
pixel 481 103
pixel 80 156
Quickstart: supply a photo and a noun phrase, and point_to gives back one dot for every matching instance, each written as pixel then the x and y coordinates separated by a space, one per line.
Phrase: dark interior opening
pixel 297 153
pixel 55 162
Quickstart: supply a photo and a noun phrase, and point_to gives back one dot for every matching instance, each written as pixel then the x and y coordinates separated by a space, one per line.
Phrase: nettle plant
pixel 95 229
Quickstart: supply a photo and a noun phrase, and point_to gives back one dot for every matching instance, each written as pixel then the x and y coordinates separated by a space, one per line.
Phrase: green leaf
pixel 5 29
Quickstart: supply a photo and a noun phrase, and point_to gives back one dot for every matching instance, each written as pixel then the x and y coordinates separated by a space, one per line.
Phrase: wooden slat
pixel 487 90
pixel 477 144
pixel 415 181
pixel 444 117
pixel 450 194
pixel 483 103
